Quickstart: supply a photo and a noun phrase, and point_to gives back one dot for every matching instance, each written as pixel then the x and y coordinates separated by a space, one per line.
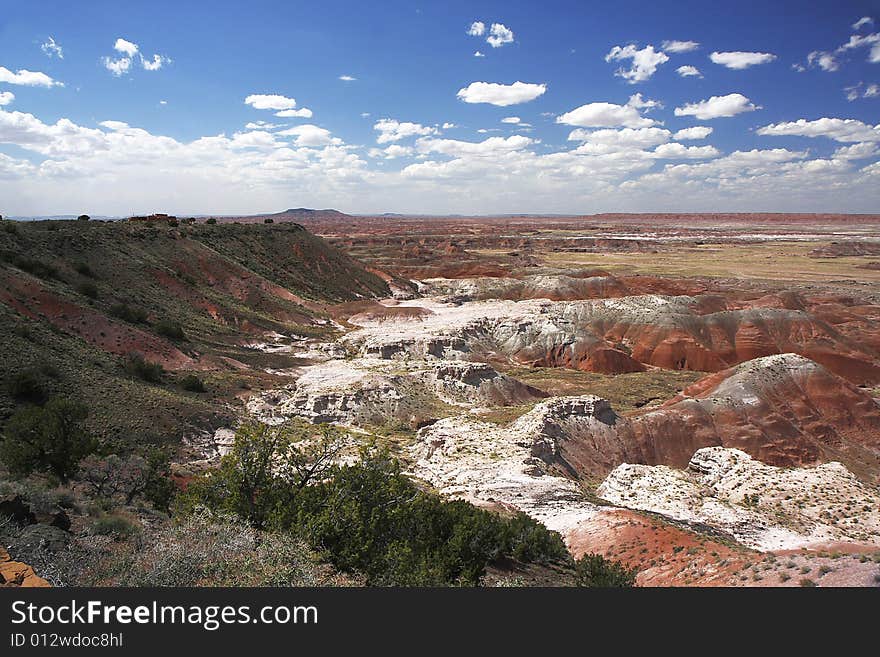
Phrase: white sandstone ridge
pixel 542 286
pixel 611 335
pixel 762 506
pixel 363 392
pixel 510 466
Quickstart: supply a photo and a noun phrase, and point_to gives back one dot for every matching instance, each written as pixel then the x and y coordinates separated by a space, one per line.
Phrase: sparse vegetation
pixel 170 329
pixel 594 570
pixel 137 366
pixel 46 439
pixel 192 383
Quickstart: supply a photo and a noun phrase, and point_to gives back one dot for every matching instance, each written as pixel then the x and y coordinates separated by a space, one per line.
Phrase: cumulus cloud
pixel 310 135
pixel 862 22
pixel 301 113
pixel 510 119
pixel 625 138
pixel 154 64
pixel 824 60
pixel 605 115
pixel 52 48
pixel 391 130
pixel 675 151
pixel 347 78
pixel 843 130
pixel 695 132
pixel 501 95
pixel 644 62
pixel 477 53
pixel 477 28
pixel 739 60
pixel 28 78
pixel 128 53
pixel 117 67
pixel 872 91
pixel 679 46
pixel 717 107
pixel 270 102
pixel 487 148
pixel 638 102
pixel 126 47
pixel 6 97
pixel 688 71
pixel 499 34
pixel 392 152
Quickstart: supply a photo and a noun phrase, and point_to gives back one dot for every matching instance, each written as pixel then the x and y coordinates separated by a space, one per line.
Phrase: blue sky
pixel 115 108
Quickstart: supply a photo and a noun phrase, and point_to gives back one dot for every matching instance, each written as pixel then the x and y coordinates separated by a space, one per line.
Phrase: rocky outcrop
pixel 764 507
pixel 15 573
pixel 618 335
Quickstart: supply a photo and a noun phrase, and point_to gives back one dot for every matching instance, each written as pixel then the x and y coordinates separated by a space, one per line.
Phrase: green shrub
pixel 136 365
pixel 10 227
pixel 268 220
pixel 35 267
pixel 211 221
pixel 27 385
pixel 88 289
pixel 169 329
pixel 192 383
pixel 47 439
pixel 84 269
pixel 117 526
pixel 367 518
pixel 83 217
pixel 130 314
pixel 596 571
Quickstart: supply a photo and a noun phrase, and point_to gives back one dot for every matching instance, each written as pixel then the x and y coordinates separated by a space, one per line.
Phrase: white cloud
pixel 872 91
pixel 310 135
pixel 862 22
pixel 605 115
pixel 449 126
pixel 270 102
pixel 679 46
pixel 858 151
pixel 623 139
pixel 52 48
pixel 717 107
pixel 675 151
pixel 163 102
pixel 638 102
pixel 510 119
pixel 261 125
pixel 477 28
pixel 392 152
pixel 391 130
pixel 117 67
pixel 695 132
pixel 644 62
pixel 688 71
pixel 740 60
pixel 499 34
pixel 843 130
pixel 824 60
pixel 364 115
pixel 28 78
pixel 347 78
pixel 301 113
pixel 477 53
pixel 155 64
pixel 126 47
pixel 487 148
pixel 6 97
pixel 501 95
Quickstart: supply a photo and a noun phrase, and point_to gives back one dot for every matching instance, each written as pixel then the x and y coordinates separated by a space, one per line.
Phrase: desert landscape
pixel 694 398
